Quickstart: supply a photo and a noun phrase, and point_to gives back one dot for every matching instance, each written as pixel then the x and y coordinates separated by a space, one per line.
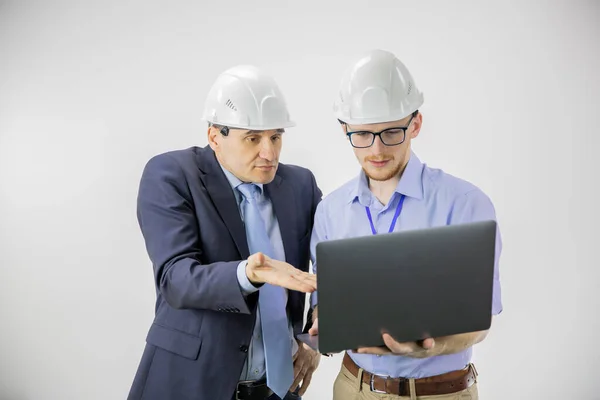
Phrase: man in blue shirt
pixel 378 107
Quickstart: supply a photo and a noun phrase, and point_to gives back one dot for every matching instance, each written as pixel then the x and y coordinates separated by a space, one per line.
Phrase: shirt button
pixel 244 348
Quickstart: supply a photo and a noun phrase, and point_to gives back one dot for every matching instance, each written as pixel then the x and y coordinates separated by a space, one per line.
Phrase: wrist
pixel 246 286
pixel 439 348
pixel 251 275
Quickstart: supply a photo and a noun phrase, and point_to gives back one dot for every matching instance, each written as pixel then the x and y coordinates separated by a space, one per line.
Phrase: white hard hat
pixel 246 97
pixel 376 88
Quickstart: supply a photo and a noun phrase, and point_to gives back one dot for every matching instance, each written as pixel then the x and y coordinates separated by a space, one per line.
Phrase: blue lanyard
pixel 393 224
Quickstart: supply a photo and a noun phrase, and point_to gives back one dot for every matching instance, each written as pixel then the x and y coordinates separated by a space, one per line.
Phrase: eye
pixel 394 131
pixel 275 138
pixel 252 139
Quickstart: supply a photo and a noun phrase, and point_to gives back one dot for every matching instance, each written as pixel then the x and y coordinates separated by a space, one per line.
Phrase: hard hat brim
pixel 288 124
pixel 374 120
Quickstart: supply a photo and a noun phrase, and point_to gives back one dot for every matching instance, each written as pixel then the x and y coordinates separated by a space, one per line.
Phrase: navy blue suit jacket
pixel 195 238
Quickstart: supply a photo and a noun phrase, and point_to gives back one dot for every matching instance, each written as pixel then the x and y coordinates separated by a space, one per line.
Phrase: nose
pixel 267 150
pixel 378 147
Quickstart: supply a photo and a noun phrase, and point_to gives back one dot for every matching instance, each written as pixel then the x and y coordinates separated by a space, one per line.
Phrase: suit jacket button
pixel 244 348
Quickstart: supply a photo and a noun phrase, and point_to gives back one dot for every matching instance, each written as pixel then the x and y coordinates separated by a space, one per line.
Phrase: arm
pixel 168 222
pixel 471 207
pixel 427 348
pixel 457 343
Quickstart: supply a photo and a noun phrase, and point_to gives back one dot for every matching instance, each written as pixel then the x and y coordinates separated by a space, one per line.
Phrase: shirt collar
pixel 234 181
pixel 410 184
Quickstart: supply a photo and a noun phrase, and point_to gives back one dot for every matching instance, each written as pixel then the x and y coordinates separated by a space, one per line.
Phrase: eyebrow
pixel 258 132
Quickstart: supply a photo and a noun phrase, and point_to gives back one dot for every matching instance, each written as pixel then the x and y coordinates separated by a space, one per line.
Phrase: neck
pixel 225 166
pixel 384 190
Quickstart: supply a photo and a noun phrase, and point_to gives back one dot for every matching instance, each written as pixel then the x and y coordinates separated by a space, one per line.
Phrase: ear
pixel 213 138
pixel 416 124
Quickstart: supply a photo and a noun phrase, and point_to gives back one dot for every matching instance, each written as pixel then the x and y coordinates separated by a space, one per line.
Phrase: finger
pixel 257 259
pixel 310 285
pixel 289 282
pixel 298 366
pixel 298 379
pixel 306 278
pixel 298 286
pixel 397 347
pixel 373 350
pixel 305 383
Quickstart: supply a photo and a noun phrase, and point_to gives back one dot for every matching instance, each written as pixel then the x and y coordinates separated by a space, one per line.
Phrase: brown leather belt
pixel 447 383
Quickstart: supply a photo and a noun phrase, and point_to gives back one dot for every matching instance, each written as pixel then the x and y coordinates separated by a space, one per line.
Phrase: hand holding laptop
pixel 420 349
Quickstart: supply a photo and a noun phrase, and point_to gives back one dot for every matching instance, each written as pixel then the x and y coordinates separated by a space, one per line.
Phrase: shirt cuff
pixel 245 284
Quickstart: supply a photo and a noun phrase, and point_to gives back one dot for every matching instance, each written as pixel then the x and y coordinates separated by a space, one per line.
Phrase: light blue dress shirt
pixel 254 368
pixel 433 198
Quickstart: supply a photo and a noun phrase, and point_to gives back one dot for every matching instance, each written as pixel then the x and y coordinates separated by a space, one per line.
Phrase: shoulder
pixel 440 184
pixel 177 165
pixel 298 175
pixel 334 200
pixel 171 169
pixel 174 159
pixel 463 200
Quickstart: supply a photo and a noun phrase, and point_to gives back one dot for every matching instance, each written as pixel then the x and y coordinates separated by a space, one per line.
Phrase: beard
pixel 382 174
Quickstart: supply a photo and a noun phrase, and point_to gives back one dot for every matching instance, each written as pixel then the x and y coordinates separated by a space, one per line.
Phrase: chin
pixel 264 177
pixel 379 175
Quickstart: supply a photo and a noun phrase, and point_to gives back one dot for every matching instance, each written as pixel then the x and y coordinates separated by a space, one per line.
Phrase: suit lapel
pixel 281 195
pixel 220 192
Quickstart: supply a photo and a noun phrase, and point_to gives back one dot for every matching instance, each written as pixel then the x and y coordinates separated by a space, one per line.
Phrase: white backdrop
pixel 90 91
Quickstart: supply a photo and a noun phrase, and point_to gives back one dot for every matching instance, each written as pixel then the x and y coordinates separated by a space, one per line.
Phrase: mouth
pixel 265 167
pixel 379 164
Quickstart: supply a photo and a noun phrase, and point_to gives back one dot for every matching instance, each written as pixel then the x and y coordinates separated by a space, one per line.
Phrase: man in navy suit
pixel 228 229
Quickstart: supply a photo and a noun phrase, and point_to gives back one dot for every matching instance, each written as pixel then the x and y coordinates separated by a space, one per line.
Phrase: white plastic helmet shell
pixel 376 88
pixel 247 98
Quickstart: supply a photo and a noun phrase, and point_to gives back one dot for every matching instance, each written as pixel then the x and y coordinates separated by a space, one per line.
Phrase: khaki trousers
pixel 350 387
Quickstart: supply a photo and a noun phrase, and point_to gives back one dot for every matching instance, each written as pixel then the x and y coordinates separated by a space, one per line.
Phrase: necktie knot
pixel 249 190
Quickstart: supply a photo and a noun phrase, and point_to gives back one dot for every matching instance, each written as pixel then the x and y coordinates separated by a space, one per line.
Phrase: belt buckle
pixel 237 387
pixel 373 387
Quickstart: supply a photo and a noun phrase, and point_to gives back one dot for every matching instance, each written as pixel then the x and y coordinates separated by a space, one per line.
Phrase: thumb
pixel 428 343
pixel 256 259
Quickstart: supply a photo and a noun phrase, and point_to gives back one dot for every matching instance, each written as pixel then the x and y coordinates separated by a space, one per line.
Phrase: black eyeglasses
pixel 389 137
